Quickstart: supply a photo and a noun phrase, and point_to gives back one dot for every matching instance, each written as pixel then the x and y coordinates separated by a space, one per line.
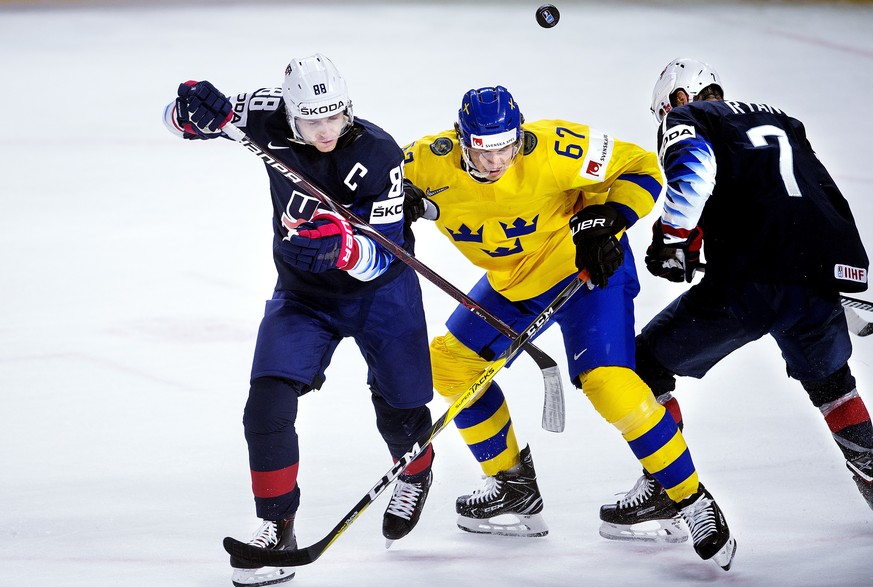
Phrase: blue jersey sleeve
pixel 373 261
pixel 690 168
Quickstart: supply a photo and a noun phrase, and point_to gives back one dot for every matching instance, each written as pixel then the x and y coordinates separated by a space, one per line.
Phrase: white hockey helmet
pixel 313 89
pixel 685 74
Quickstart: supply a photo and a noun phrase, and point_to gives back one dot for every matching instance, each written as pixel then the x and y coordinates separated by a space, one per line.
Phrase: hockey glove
pixel 594 230
pixel 416 205
pixel 325 242
pixel 674 253
pixel 201 110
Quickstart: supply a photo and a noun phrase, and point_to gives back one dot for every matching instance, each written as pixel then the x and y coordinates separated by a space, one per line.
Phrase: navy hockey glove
pixel 594 230
pixel 674 253
pixel 325 242
pixel 201 110
pixel 416 204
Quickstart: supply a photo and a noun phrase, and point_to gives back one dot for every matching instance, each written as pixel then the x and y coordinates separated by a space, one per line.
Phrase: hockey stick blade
pixel 304 556
pixel 857 324
pixel 553 386
pixel 554 417
pixel 553 404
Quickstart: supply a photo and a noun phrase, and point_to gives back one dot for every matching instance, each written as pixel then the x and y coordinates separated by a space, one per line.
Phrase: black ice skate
pixel 709 531
pixel 862 472
pixel 273 535
pixel 509 505
pixel 404 509
pixel 645 513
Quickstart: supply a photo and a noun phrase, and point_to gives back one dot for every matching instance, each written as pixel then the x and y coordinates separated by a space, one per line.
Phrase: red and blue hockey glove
pixel 201 109
pixel 674 253
pixel 594 230
pixel 325 242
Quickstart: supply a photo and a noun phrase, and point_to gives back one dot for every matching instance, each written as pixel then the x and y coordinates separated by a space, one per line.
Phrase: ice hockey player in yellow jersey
pixel 532 204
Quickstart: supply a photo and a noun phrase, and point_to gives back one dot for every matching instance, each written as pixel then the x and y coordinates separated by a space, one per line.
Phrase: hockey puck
pixel 548 16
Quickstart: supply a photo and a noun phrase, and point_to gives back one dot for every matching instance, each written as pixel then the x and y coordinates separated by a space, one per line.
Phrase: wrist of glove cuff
pixel 595 229
pixel 674 254
pixel 201 109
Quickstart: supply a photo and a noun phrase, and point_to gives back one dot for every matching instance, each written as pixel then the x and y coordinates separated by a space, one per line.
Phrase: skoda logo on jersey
pixel 387 211
pixel 322 110
pixel 677 133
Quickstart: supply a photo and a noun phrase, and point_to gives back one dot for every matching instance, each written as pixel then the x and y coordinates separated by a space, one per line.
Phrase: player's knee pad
pixel 455 366
pixel 271 405
pixel 828 389
pixel 621 397
pixel 401 428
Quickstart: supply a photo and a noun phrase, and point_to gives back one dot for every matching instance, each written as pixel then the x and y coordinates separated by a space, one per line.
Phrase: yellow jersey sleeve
pixel 517 228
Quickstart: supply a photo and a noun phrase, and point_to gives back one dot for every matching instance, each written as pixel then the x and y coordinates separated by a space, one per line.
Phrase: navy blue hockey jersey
pixel 364 173
pixel 769 210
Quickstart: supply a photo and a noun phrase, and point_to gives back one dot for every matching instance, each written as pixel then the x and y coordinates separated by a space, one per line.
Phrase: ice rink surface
pixel 134 268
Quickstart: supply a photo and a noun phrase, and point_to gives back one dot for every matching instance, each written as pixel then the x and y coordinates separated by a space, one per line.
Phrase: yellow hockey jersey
pixel 517 228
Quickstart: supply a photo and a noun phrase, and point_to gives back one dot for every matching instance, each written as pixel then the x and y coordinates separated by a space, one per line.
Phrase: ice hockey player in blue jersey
pixel 744 184
pixel 333 283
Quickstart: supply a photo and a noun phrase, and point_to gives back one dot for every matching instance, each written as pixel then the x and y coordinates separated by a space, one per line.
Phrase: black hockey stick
pixel 857 324
pixel 553 401
pixel 309 554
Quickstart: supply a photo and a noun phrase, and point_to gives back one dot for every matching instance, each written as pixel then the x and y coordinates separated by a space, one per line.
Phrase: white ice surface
pixel 134 267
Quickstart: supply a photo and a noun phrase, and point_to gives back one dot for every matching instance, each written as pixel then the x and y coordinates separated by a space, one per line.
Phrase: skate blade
pixel 388 543
pixel 262 576
pixel 866 477
pixel 725 557
pixel 663 531
pixel 531 526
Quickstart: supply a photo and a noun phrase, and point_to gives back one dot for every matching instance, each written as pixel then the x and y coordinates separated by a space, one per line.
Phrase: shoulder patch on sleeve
pixel 677 133
pixel 597 158
pixel 442 146
pixel 530 142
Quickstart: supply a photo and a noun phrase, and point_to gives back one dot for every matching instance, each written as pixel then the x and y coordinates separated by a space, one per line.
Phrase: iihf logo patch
pixel 848 273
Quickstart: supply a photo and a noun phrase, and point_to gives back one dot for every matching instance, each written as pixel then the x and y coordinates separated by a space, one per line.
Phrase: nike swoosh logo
pixel 270 145
pixel 431 193
pixel 579 354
